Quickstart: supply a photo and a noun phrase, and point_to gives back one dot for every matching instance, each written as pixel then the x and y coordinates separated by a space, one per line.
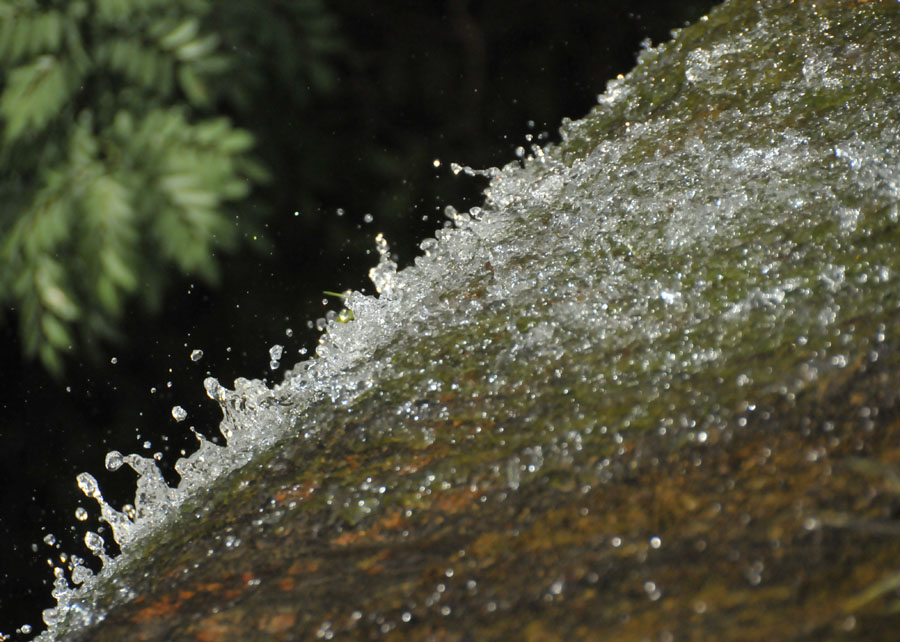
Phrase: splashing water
pixel 647 263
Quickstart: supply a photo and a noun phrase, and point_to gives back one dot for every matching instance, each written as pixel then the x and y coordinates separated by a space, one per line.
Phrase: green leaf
pixel 82 143
pixel 113 11
pixel 34 95
pixel 210 131
pixel 47 223
pixel 197 49
pixel 118 270
pixel 7 28
pixel 48 34
pixel 123 124
pixel 181 34
pixel 192 85
pixel 236 141
pixel 108 295
pixel 55 331
pixel 47 278
pixel 108 202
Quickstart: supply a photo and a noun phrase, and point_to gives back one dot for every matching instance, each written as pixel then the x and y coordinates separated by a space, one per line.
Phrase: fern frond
pixel 35 94
pixel 25 33
pixel 109 175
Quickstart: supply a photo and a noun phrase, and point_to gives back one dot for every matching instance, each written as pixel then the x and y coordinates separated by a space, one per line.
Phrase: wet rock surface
pixel 647 392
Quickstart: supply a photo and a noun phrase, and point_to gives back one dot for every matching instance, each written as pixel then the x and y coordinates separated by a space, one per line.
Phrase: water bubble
pixel 81 514
pixel 368 218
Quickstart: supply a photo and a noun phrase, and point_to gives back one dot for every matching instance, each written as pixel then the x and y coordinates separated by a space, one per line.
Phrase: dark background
pixel 460 81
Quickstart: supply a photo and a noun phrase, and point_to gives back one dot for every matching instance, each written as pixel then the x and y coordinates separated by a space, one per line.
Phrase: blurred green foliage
pixel 112 170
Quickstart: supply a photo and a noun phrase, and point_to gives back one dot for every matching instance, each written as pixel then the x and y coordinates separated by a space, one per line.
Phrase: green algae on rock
pixel 625 399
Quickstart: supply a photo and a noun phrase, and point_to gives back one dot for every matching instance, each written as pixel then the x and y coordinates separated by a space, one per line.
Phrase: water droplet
pixel 114 460
pixel 383 274
pixel 179 413
pixel 94 542
pixel 196 355
pixel 275 352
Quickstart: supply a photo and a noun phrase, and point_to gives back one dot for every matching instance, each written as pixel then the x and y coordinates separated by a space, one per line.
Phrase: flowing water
pixel 713 242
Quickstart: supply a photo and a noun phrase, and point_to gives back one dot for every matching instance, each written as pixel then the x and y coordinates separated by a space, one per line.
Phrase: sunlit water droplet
pixel 275 353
